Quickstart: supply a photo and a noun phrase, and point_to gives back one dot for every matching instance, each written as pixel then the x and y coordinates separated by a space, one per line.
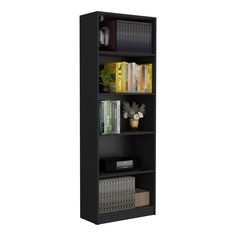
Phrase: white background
pixel 196 118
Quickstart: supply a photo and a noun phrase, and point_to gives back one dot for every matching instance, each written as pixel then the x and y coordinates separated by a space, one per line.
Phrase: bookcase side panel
pixel 89 117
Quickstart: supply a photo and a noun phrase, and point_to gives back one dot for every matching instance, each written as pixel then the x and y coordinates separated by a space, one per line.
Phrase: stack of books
pixel 109 117
pixel 131 77
pixel 116 194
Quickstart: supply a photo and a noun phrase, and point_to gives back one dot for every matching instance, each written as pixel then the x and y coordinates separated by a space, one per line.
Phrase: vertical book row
pixel 109 117
pixel 134 36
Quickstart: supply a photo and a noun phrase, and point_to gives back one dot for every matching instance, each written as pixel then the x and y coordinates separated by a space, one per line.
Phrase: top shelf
pixel 125 54
pixel 109 15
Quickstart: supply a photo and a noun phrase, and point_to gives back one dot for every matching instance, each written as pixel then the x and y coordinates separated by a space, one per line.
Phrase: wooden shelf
pixel 124 173
pixel 126 214
pixel 125 54
pixel 138 132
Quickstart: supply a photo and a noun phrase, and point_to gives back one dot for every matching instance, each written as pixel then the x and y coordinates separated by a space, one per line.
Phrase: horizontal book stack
pixel 131 77
pixel 109 117
pixel 116 194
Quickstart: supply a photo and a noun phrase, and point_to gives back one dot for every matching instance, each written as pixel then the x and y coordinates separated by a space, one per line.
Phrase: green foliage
pixel 106 75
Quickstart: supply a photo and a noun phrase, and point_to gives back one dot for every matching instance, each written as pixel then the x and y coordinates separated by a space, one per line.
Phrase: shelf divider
pixel 124 173
pixel 123 133
pixel 125 54
pixel 126 214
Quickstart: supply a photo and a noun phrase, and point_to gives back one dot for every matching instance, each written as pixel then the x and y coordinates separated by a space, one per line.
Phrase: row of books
pixel 109 116
pixel 116 194
pixel 133 36
pixel 131 77
pixel 128 36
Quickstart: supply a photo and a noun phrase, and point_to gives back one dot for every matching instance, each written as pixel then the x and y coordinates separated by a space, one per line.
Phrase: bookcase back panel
pixel 147 123
pixel 107 59
pixel 145 151
pixel 140 147
pixel 116 146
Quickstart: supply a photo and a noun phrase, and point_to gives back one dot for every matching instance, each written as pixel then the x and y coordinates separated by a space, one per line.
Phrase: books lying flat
pixel 109 117
pixel 116 194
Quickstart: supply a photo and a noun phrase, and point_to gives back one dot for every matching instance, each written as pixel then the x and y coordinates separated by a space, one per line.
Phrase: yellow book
pixel 123 76
pixel 149 78
pixel 118 77
pixel 141 79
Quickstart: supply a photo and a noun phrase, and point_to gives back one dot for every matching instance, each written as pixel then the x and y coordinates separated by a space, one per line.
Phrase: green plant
pixel 106 75
pixel 133 111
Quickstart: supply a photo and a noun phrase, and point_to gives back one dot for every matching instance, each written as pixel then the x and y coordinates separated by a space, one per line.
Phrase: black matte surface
pixel 139 144
pixel 88 117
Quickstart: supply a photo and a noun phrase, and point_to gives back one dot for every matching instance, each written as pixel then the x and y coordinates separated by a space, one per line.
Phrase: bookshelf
pixel 94 146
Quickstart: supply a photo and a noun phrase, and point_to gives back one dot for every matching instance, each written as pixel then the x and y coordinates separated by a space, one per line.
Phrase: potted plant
pixel 134 112
pixel 106 78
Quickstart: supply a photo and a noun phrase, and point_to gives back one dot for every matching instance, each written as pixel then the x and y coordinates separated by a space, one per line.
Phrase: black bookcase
pixel 139 144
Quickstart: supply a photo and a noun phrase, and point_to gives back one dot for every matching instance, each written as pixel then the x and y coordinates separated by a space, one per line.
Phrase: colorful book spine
pixel 123 77
pixel 118 77
pixel 127 77
pixel 145 79
pixel 132 77
pixel 149 67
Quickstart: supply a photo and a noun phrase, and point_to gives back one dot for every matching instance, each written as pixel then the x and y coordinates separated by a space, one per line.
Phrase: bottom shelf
pixel 126 214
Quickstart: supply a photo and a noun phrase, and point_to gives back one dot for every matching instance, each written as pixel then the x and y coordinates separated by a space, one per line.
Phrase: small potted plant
pixel 106 78
pixel 134 112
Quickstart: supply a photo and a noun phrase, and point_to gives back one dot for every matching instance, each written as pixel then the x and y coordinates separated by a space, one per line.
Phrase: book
pixel 109 117
pixel 118 117
pixel 149 68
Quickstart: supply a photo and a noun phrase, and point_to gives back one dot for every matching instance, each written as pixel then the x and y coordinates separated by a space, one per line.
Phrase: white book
pixel 145 79
pixel 105 117
pixel 132 74
pixel 118 116
pixel 115 116
pixel 129 77
pixel 138 78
